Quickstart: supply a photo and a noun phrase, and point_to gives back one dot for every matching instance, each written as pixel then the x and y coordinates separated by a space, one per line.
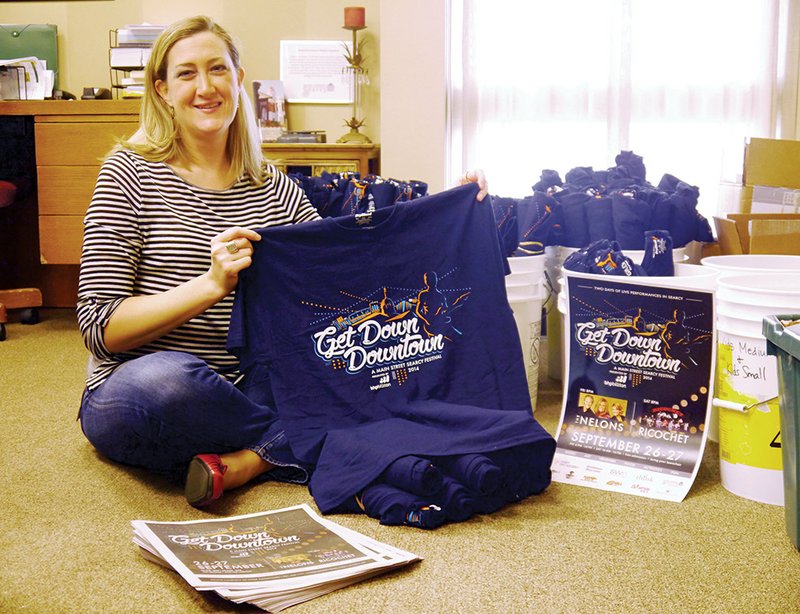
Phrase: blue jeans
pixel 159 410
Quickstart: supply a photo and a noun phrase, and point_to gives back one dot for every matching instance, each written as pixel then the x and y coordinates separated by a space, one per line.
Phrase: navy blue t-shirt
pixel 385 339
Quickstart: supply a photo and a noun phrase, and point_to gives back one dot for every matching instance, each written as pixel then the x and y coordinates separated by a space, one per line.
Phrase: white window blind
pixel 554 85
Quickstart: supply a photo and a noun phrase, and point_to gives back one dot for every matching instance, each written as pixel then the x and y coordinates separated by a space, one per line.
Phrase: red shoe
pixel 204 482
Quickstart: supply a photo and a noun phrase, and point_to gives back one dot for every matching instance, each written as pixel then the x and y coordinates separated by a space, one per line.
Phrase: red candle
pixel 354 17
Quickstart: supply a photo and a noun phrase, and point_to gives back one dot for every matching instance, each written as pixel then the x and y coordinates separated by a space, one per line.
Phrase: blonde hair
pixel 157 138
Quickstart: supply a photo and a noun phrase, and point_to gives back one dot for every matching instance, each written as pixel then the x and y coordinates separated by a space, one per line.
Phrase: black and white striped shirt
pixel 147 230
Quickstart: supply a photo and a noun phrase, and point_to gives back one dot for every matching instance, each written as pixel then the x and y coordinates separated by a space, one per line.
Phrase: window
pixel 555 85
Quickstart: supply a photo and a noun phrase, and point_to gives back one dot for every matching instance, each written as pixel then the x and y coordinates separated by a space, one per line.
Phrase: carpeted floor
pixel 65 536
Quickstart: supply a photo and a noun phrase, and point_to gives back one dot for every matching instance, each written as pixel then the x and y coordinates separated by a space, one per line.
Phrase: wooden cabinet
pixel 314 158
pixel 71 138
pixel 69 151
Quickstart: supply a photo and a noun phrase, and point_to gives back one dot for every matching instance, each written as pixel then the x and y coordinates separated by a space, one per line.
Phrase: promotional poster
pixel 638 388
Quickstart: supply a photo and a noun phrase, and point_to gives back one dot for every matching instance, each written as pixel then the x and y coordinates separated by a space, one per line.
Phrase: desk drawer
pixel 60 239
pixel 77 143
pixel 65 190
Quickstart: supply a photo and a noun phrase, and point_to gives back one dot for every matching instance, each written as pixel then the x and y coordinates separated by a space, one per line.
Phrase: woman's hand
pixel 476 176
pixel 144 318
pixel 231 252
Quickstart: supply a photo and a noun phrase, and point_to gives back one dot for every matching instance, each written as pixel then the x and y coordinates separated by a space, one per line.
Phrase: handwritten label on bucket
pixel 745 374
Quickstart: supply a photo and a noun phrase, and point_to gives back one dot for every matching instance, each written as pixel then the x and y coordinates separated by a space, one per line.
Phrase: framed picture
pixel 270 106
pixel 315 71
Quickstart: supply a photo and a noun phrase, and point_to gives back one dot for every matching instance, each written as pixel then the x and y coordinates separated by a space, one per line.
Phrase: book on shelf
pixel 270 107
pixel 273 560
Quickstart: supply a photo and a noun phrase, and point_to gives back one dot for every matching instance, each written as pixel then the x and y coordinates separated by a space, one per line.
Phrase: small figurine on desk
pixel 96 93
pixel 63 95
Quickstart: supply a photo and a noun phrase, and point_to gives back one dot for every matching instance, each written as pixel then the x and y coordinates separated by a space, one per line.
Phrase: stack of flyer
pixel 272 560
pixel 138 35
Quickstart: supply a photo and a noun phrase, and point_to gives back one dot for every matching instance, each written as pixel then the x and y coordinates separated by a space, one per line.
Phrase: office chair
pixel 27 299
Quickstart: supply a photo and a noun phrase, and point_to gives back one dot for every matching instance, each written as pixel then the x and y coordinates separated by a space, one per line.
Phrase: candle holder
pixel 354 21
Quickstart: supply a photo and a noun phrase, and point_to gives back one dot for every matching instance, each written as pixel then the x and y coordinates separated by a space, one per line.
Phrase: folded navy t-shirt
pixel 387 338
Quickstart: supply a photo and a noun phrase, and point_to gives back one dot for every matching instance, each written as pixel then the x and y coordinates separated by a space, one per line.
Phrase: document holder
pixel 12 83
pixel 33 39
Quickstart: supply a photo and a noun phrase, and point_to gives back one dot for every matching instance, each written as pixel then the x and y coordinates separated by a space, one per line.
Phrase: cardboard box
pixel 768 221
pixel 759 233
pixel 771 176
pixel 774 200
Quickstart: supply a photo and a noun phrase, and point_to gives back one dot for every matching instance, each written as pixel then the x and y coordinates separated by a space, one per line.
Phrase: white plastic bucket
pixel 778 289
pixel 746 384
pixel 745 264
pixel 525 291
pixel 527 264
pixel 523 278
pixel 522 291
pixel 738 264
pixel 526 268
pixel 526 303
pixel 555 256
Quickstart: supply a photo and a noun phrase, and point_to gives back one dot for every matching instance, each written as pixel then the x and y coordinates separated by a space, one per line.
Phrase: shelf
pixel 314 158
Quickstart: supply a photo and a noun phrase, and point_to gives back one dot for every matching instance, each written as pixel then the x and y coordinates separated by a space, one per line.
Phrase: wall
pixel 83 28
pixel 413 91
pixel 791 116
pixel 405 105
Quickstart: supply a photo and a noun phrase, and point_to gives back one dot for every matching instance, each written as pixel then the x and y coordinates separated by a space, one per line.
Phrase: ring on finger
pixel 232 247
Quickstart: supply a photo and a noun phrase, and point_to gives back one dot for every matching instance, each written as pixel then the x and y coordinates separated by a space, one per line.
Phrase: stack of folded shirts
pixel 428 492
pixel 337 194
pixel 616 204
pixel 604 257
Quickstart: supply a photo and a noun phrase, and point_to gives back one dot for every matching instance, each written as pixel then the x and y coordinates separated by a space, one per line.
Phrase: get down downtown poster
pixel 639 362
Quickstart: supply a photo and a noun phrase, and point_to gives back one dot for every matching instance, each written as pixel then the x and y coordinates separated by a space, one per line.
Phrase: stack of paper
pixel 133 84
pixel 142 35
pixel 273 559
pixel 134 77
pixel 25 79
pixel 129 57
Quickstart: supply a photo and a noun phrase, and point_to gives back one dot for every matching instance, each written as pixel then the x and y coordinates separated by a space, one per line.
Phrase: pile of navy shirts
pixel 617 205
pixel 393 361
pixel 337 194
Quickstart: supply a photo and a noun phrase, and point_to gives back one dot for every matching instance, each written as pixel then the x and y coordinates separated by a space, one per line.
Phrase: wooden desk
pixel 72 137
